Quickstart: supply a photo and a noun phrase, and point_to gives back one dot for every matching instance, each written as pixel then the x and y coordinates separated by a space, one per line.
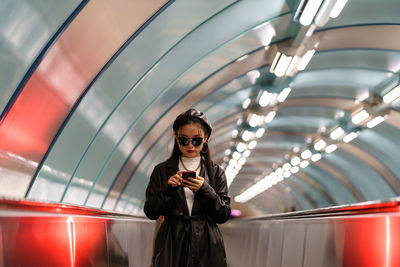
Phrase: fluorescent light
pixel 309 12
pixel 254 120
pixel 295 169
pixel 275 61
pixel 242 58
pixel 337 8
pixel 330 148
pixel 320 144
pixel 246 153
pixel 350 137
pixel 232 162
pixel 293 62
pixel 252 144
pixel 246 103
pixel 304 164
pixel 279 171
pixel 287 174
pixel 375 121
pixel 360 116
pixel 240 147
pixel 392 95
pixel 235 133
pixel 265 99
pixel 295 161
pixel 306 59
pixel 286 166
pixel 335 134
pixel 256 189
pixel 227 152
pixel 316 157
pixel 260 132
pixel 236 155
pixel 270 116
pixel 242 160
pixel 306 154
pixel 247 135
pixel 253 75
pixel 284 94
pixel 280 64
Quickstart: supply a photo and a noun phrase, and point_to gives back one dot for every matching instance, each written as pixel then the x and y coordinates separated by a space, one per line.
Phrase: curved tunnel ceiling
pixel 89 91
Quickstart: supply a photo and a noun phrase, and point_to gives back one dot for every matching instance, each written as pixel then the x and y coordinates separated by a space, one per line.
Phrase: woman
pixel 191 207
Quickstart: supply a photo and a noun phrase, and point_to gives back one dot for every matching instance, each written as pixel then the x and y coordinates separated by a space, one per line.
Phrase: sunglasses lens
pixel 197 141
pixel 183 141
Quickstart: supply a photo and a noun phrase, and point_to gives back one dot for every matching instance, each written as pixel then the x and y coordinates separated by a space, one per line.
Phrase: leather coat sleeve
pixel 159 196
pixel 216 202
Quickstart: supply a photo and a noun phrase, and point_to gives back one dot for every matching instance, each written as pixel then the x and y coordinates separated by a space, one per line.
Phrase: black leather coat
pixel 184 240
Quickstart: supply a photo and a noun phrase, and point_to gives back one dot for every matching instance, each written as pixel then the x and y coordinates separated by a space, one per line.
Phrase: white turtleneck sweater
pixel 191 164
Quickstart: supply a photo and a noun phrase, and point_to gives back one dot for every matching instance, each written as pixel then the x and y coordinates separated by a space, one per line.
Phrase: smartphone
pixel 187 174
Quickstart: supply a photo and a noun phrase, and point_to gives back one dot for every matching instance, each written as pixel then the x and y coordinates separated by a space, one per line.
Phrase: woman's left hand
pixel 193 184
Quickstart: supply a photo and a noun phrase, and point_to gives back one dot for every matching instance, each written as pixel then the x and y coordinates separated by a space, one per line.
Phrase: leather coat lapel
pixel 203 173
pixel 172 168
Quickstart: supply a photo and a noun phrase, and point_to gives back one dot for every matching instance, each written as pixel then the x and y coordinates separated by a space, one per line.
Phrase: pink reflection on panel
pixel 66 71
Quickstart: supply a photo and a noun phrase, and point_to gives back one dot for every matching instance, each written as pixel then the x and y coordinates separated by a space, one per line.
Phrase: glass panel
pixel 26 26
pixel 367 12
pixel 386 150
pixel 154 90
pixel 124 72
pixel 54 90
pixel 335 188
pixel 313 192
pixel 361 175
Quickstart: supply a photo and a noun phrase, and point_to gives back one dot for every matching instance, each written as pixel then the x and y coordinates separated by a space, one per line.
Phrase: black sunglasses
pixel 184 141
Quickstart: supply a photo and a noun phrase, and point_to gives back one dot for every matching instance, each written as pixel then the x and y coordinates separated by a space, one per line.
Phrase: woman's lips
pixel 190 151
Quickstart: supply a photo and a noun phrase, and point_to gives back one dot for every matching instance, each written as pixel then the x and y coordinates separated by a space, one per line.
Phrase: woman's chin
pixel 190 154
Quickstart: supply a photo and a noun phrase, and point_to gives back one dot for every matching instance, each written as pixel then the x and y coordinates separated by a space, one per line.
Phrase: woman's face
pixel 191 130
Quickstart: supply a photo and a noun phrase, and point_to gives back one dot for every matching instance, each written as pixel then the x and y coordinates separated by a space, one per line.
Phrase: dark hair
pixel 194 116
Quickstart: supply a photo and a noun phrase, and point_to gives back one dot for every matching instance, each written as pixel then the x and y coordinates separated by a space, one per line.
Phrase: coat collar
pixel 172 163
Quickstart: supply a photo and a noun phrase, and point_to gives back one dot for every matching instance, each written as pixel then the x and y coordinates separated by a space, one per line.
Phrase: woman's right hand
pixel 176 179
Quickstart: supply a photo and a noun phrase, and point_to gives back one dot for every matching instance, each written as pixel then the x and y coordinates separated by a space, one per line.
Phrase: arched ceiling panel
pixel 151 91
pixel 385 150
pixel 303 194
pixel 336 189
pixel 105 99
pixel 27 29
pixel 370 184
pixel 362 78
pixel 367 12
pixel 375 59
pixel 319 198
pixel 214 56
pixel 76 67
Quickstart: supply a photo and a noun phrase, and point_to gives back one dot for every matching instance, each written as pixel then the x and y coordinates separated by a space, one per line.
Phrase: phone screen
pixel 187 174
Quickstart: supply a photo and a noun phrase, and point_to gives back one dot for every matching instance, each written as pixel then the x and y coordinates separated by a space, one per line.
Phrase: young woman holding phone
pixel 191 207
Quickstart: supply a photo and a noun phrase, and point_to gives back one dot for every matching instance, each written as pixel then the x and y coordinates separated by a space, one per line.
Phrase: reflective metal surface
pixel 359 235
pixel 37 234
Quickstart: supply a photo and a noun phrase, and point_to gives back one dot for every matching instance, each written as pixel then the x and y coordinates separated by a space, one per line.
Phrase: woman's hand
pixel 176 179
pixel 193 184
